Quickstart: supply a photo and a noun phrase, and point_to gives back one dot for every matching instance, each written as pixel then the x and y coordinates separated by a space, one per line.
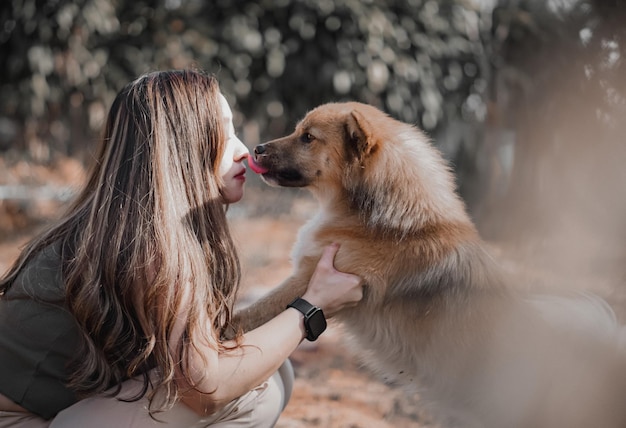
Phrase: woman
pixel 116 316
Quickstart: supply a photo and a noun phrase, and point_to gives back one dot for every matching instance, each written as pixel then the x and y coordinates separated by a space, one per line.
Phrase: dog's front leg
pixel 271 304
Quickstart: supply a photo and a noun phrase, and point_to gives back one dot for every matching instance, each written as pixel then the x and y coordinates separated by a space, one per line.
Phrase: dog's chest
pixel 305 243
pixel 309 241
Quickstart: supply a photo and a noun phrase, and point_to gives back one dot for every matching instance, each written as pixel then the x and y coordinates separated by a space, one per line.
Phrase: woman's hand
pixel 330 289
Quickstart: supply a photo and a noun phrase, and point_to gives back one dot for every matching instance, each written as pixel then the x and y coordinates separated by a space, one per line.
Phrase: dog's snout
pixel 260 149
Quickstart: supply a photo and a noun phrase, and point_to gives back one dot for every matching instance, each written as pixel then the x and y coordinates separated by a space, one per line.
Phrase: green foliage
pixel 64 60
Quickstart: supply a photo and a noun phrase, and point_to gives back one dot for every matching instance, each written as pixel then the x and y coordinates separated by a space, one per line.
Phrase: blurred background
pixel 525 98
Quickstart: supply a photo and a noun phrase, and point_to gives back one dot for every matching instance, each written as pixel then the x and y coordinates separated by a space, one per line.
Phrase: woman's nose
pixel 242 151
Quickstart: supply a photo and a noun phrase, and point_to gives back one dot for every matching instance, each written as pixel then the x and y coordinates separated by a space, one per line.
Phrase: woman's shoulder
pixel 41 277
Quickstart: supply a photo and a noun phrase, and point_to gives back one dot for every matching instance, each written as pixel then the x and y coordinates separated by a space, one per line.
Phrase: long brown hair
pixel 148 230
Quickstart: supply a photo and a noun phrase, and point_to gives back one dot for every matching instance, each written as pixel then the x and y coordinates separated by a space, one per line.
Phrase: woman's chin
pixel 231 196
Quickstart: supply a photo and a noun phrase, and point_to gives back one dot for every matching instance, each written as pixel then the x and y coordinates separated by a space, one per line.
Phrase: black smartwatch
pixel 314 320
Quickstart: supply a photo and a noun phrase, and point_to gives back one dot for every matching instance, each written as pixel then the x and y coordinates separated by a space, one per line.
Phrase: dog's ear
pixel 359 136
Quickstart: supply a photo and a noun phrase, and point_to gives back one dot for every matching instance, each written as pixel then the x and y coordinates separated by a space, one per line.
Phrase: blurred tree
pixel 417 59
pixel 505 87
pixel 64 60
pixel 51 81
pixel 557 98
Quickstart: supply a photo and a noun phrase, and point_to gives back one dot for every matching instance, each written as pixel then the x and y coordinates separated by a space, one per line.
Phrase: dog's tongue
pixel 255 166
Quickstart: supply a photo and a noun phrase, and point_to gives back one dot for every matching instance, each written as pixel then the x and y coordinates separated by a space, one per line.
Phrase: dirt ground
pixel 331 389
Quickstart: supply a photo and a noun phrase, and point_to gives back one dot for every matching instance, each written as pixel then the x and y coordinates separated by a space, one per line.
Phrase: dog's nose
pixel 260 149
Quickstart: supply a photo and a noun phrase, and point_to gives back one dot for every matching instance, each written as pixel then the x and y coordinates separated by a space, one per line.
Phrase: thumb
pixel 328 256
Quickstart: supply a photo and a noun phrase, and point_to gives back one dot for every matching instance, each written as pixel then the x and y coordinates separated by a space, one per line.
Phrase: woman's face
pixel 232 169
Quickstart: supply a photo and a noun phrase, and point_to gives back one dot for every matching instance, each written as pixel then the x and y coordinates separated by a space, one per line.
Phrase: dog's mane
pixel 406 185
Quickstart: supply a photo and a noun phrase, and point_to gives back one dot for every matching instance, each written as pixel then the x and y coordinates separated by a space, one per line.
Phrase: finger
pixel 328 256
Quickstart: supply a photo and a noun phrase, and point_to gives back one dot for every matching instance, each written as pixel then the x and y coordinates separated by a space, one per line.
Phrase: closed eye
pixel 307 137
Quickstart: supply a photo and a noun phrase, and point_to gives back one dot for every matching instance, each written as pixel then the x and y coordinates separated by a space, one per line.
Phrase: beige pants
pixel 259 408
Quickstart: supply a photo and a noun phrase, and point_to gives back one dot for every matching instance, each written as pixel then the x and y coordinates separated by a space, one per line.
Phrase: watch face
pixel 316 324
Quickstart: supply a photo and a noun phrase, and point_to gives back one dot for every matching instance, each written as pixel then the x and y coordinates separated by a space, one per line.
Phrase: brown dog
pixel 438 314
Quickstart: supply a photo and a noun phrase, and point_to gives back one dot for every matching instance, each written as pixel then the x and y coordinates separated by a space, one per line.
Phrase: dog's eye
pixel 306 137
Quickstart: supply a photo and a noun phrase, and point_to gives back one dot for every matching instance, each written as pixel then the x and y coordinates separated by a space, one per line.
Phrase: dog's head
pixel 328 145
pixel 379 167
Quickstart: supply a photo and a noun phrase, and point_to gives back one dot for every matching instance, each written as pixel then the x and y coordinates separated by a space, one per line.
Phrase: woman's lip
pixel 241 175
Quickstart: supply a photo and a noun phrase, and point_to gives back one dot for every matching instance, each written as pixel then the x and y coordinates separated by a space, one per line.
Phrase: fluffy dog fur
pixel 438 313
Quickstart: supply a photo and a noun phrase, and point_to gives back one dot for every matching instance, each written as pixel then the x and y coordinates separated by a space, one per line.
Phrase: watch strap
pixel 303 306
pixel 310 311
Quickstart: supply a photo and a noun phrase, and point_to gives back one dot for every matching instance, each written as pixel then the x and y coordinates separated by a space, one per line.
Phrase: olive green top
pixel 38 338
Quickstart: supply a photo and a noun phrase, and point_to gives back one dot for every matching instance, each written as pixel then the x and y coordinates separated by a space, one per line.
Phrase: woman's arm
pixel 230 374
pixel 233 373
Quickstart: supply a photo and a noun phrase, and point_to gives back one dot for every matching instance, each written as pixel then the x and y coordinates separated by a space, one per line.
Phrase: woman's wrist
pixel 313 299
pixel 300 319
